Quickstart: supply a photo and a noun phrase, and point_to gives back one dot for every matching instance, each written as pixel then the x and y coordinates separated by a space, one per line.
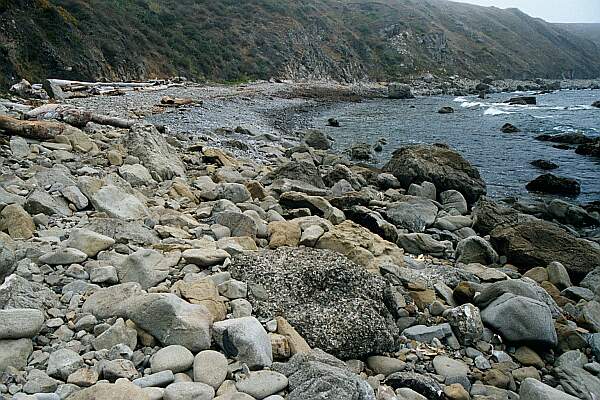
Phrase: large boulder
pixel 316 139
pixel 488 215
pixel 400 91
pixel 532 389
pixel 296 171
pixel 117 203
pixel 521 319
pixel 18 292
pixel 438 164
pixel 334 304
pixel 475 249
pixel 361 246
pixel 412 213
pixel 172 320
pixel 153 151
pixel 552 184
pixel 574 378
pixel 146 267
pixel 538 243
pixel 318 375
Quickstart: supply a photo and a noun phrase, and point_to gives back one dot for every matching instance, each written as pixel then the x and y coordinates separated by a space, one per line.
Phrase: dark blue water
pixel 474 130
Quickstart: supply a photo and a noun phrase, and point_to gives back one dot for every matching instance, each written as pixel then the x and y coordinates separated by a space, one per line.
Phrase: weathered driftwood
pixel 66 84
pixel 76 116
pixel 38 130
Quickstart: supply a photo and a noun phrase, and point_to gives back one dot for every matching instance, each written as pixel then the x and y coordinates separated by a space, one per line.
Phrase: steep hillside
pixel 587 31
pixel 236 40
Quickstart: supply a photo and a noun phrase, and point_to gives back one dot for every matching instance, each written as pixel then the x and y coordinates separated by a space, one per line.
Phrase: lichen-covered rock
pixel 334 304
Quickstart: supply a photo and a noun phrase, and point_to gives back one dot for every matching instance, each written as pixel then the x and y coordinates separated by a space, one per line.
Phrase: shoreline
pixel 295 269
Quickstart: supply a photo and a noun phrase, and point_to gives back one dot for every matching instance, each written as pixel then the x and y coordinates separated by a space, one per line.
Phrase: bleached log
pixel 65 84
pixel 37 130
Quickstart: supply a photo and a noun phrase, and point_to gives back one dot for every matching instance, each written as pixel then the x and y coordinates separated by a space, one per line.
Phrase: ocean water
pixel 474 130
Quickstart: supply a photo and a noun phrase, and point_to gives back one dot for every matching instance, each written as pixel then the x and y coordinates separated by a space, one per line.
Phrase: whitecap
pixel 543 116
pixel 460 99
pixel 495 111
pixel 471 104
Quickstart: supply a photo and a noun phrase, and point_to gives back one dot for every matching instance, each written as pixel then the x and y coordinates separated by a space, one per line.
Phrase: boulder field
pixel 140 265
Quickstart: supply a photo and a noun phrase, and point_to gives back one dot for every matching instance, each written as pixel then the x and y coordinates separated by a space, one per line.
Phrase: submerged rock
pixel 552 184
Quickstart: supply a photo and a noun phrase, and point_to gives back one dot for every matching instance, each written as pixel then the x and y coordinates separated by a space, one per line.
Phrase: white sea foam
pixel 471 104
pixel 495 111
pixel 460 99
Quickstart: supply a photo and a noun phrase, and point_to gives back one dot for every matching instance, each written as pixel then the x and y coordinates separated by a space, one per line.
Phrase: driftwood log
pixel 76 116
pixel 37 130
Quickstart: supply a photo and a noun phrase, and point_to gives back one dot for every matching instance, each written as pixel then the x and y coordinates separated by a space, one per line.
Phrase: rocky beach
pixel 180 241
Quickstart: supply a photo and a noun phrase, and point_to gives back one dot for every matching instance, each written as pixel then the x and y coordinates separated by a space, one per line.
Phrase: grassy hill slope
pixel 235 40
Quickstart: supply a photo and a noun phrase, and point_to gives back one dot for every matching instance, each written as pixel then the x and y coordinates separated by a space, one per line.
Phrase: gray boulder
pixel 245 340
pixel 334 304
pixel 117 203
pixel 574 378
pixel 153 151
pixel 136 175
pixel 118 333
pixel 412 213
pixel 521 319
pixel 316 139
pixel 438 164
pixel 538 243
pixel 532 389
pixel 63 363
pixel 112 301
pixel 89 242
pixel 15 353
pixel 172 320
pixel 17 292
pixel 454 200
pixel 146 267
pixel 475 249
pixel 296 171
pixel 317 375
pixel 7 256
pixel 400 91
pixel 20 323
pixel 422 243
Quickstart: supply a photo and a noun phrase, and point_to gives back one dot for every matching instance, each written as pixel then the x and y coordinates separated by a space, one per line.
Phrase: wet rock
pixel 400 91
pixel 159 314
pixel 522 100
pixel 318 374
pixel 438 164
pixel 544 164
pixel 337 307
pixel 361 152
pixel 446 110
pixel 316 139
pixel 509 128
pixel 553 184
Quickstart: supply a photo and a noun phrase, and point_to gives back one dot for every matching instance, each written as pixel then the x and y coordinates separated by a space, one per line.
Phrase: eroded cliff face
pixel 322 39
